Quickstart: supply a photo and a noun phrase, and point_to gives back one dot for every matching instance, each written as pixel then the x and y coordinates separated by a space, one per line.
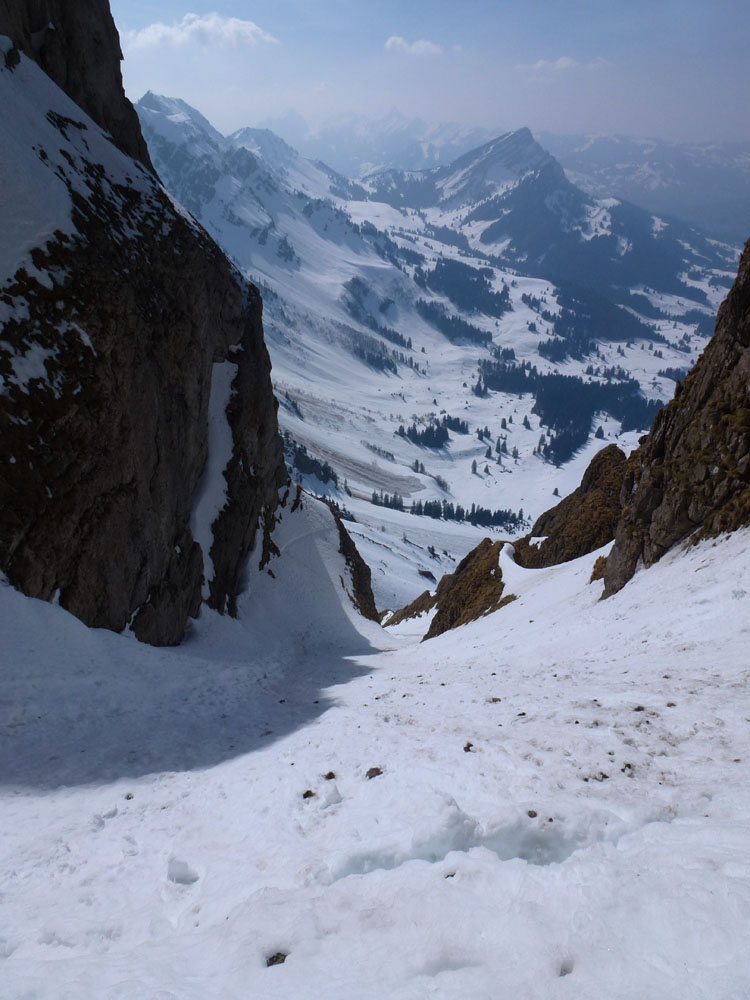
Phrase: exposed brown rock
pixel 692 471
pixel 597 572
pixel 474 589
pixel 419 606
pixel 362 597
pixel 77 44
pixel 583 521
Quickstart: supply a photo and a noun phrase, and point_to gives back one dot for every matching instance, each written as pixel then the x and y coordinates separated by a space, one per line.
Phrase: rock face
pixel 692 471
pixel 475 588
pixel 77 45
pixel 137 417
pixel 419 606
pixel 582 522
pixel 361 576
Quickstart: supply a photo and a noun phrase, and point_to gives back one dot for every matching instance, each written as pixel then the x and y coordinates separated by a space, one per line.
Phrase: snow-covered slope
pixel 557 802
pixel 381 308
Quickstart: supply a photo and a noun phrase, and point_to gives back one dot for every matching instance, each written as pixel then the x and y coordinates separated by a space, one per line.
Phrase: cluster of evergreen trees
pixel 299 458
pixel 556 350
pixel 455 424
pixel 435 433
pixel 469 288
pixel 676 374
pixel 566 404
pixel 392 500
pixel 357 292
pixel 585 318
pixel 375 355
pixel 482 516
pixel 452 327
pixel 504 376
pixel 535 303
pixel 443 510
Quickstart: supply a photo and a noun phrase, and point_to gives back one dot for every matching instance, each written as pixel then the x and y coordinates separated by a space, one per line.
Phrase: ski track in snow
pixel 562 809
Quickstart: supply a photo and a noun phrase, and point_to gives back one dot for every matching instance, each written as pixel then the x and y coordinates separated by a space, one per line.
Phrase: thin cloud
pixel 544 67
pixel 205 29
pixel 421 47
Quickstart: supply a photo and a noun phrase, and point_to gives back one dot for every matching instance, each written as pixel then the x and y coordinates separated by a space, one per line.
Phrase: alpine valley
pixel 374 562
pixel 465 336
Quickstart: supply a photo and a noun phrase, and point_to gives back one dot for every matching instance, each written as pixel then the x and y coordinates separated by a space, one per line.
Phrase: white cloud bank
pixel 421 47
pixel 202 28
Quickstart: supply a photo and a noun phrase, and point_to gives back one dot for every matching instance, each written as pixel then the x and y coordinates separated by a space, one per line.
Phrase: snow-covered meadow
pixel 561 808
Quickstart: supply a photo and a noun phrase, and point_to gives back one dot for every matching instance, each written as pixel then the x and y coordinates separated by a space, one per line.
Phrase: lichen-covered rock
pixel 119 337
pixel 475 588
pixel 582 522
pixel 692 471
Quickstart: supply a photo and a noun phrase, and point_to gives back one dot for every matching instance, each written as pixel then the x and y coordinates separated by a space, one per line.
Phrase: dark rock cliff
pixel 583 521
pixel 112 335
pixel 692 471
pixel 76 43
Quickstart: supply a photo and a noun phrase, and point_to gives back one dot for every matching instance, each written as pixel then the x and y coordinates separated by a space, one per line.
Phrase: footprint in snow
pixel 181 873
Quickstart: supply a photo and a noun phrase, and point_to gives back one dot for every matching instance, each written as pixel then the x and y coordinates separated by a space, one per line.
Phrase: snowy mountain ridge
pixel 478 175
pixel 705 184
pixel 406 304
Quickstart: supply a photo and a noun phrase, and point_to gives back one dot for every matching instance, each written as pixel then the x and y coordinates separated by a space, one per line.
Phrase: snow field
pixel 562 808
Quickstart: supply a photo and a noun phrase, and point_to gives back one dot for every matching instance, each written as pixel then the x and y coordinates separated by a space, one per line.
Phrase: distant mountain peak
pixel 174 111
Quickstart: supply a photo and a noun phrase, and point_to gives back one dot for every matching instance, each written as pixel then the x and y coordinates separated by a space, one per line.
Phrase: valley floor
pixel 560 808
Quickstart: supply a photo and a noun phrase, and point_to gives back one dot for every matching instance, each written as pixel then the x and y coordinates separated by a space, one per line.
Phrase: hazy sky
pixel 667 68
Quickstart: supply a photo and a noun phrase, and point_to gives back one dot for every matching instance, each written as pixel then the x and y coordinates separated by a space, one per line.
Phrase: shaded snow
pixel 211 492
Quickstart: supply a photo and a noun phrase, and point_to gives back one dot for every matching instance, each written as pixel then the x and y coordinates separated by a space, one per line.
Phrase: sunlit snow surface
pixel 563 807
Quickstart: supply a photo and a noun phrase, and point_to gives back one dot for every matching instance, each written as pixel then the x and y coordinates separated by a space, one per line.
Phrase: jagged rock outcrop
pixel 418 607
pixel 137 417
pixel 361 576
pixel 77 45
pixel 692 471
pixel 582 522
pixel 475 588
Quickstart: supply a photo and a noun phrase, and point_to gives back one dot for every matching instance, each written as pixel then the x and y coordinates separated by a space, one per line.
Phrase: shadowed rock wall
pixel 109 338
